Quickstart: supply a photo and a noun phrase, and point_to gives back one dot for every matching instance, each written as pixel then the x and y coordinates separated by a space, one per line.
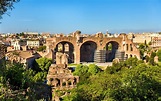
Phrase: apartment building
pixel 33 43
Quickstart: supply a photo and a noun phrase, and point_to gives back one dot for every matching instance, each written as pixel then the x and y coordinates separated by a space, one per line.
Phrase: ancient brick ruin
pixel 86 48
pixel 60 77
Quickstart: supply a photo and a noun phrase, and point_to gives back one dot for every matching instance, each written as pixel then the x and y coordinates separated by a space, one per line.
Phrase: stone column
pixel 61 83
pixel 72 82
pixel 77 79
pixel 77 55
pixel 67 84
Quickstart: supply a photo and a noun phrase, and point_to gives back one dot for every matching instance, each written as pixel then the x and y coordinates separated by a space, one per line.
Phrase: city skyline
pixel 89 16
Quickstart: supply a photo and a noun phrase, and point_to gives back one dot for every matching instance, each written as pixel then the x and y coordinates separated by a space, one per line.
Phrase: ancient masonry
pixel 91 48
pixel 60 77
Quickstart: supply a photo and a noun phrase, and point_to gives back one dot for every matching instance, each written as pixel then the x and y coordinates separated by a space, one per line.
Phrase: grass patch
pixel 72 64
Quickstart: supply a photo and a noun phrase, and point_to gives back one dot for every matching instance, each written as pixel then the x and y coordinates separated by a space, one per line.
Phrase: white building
pixel 33 43
pixel 31 33
pixel 15 44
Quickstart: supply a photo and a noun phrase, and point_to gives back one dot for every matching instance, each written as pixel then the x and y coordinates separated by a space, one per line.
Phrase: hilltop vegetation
pixel 18 83
pixel 132 80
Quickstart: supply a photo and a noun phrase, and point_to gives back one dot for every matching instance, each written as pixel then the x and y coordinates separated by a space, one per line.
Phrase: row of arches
pixel 87 50
pixel 130 55
pixel 63 82
pixel 65 47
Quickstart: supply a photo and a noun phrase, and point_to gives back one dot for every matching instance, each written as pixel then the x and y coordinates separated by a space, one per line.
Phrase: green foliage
pixel 93 69
pixel 81 70
pixel 116 67
pixel 143 49
pixel 151 59
pixel 131 62
pixel 18 84
pixel 147 58
pixel 141 82
pixel 28 78
pixel 109 46
pixel 137 85
pixel 14 76
pixel 40 76
pixel 41 68
pixel 153 54
pixel 150 43
pixel 6 5
pixel 44 64
pixel 41 48
pixel 159 54
pixel 22 34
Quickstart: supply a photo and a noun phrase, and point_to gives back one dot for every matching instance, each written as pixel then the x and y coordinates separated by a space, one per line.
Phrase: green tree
pixel 19 84
pixel 131 62
pixel 142 49
pixel 44 63
pixel 14 76
pixel 138 86
pixel 159 54
pixel 40 77
pixel 150 43
pixel 151 59
pixel 81 70
pixel 93 69
pixel 41 48
pixel 140 83
pixel 109 47
pixel 22 34
pixel 6 5
pixel 41 68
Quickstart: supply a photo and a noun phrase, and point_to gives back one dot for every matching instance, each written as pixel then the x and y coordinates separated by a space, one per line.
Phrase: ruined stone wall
pixel 100 41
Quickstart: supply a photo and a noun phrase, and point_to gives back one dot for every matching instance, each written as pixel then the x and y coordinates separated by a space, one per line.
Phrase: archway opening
pixel 87 51
pixel 111 48
pixel 65 47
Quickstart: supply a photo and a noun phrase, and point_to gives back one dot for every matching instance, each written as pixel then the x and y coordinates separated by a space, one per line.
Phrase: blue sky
pixel 89 16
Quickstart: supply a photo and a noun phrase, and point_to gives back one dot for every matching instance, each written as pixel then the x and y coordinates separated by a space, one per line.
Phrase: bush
pixel 41 48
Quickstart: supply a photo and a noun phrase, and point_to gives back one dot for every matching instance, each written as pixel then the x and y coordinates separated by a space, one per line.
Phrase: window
pixel 127 47
pixel 131 48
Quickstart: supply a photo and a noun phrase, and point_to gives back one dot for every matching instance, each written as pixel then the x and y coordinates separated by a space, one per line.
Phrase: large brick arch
pixel 70 52
pixel 89 40
pixel 64 42
pixel 108 40
pixel 69 40
pixel 114 44
pixel 111 51
pixel 87 50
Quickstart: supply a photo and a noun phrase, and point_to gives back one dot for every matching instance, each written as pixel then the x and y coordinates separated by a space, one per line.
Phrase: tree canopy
pixel 159 54
pixel 6 5
pixel 41 68
pixel 132 80
pixel 23 84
